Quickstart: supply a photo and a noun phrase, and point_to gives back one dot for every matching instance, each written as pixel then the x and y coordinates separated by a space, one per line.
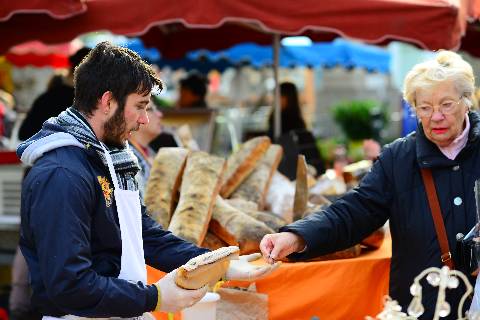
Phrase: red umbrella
pixel 41 49
pixel 190 24
pixel 49 60
pixel 177 27
pixel 59 9
pixel 39 54
pixel 34 52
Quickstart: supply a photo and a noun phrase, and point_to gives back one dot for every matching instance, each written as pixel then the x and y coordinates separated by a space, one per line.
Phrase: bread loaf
pixel 241 163
pixel 270 219
pixel 348 253
pixel 375 240
pixel 162 187
pixel 255 186
pixel 205 269
pixel 213 242
pixel 301 189
pixel 233 226
pixel 200 185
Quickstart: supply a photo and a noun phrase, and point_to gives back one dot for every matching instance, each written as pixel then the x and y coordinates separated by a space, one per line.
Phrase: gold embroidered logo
pixel 107 191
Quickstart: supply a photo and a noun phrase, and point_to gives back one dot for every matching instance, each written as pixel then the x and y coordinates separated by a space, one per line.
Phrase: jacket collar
pixel 429 155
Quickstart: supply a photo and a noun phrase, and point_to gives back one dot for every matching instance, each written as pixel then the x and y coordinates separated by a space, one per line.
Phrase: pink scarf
pixel 453 149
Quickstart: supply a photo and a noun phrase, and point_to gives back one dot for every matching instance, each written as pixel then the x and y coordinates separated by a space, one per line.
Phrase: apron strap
pixel 111 167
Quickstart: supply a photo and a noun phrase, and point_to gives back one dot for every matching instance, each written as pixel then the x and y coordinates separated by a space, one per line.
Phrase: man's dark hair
pixel 196 83
pixel 115 69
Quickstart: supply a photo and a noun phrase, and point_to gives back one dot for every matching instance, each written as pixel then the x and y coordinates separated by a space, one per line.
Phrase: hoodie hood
pixel 52 136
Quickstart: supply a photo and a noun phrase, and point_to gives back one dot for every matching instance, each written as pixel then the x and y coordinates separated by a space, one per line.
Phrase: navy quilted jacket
pixel 70 237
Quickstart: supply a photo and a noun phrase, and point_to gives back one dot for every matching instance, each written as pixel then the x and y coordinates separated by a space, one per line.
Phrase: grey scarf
pixel 57 132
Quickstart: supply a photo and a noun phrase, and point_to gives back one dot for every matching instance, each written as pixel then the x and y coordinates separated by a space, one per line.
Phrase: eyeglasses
pixel 446 107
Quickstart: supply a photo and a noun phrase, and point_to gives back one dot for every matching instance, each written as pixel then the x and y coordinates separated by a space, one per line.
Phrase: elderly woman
pixel 446 144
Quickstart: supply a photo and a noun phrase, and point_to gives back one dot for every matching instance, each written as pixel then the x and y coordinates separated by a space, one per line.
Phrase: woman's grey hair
pixel 447 65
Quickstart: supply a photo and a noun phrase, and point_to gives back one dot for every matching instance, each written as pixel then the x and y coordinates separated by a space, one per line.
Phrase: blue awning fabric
pixel 340 52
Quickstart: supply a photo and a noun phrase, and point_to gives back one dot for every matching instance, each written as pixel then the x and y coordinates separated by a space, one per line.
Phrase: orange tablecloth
pixel 336 289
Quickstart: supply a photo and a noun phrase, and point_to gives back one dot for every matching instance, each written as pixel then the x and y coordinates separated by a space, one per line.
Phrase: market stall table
pixel 333 289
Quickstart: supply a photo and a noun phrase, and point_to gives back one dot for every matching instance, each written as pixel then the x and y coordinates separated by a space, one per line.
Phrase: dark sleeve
pixel 163 250
pixel 59 217
pixel 34 120
pixel 164 139
pixel 350 219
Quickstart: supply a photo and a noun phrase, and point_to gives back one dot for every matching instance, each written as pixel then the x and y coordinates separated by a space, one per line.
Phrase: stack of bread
pixel 213 202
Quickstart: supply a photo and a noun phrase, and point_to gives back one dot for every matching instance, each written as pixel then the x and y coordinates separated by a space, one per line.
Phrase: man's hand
pixel 173 298
pixel 243 270
pixel 276 246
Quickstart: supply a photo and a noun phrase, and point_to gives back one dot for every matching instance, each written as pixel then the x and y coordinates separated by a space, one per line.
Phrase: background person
pixel 191 95
pixel 291 114
pixel 193 91
pixel 446 143
pixel 58 96
pixel 140 139
pixel 294 137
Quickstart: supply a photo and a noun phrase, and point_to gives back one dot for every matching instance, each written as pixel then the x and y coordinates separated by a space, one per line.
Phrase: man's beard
pixel 114 128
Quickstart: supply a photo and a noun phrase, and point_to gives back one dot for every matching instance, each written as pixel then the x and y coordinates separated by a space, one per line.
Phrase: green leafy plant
pixel 161 102
pixel 359 119
pixel 327 148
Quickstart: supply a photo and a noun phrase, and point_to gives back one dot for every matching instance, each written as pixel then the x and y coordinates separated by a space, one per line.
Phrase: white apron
pixel 132 265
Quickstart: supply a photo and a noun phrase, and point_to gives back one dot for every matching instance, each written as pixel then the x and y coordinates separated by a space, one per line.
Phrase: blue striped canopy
pixel 325 54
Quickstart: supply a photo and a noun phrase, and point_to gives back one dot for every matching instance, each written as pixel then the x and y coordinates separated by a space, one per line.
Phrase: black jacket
pixel 70 237
pixel 393 190
pixel 48 104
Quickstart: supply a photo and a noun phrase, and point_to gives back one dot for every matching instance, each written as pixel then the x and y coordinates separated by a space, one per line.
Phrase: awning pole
pixel 276 97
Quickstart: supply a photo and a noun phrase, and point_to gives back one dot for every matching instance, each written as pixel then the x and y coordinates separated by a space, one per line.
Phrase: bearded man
pixel 84 234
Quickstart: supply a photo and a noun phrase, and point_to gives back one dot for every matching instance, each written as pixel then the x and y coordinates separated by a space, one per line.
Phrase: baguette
pixel 255 186
pixel 200 185
pixel 213 242
pixel 242 204
pixel 375 240
pixel 235 227
pixel 241 163
pixel 270 219
pixel 163 184
pixel 301 189
pixel 205 269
